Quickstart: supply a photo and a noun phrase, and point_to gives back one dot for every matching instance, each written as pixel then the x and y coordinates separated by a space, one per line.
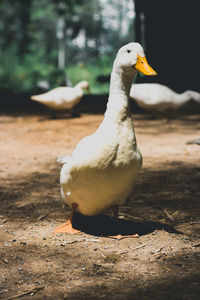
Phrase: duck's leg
pixel 67 227
pixel 115 212
pixel 73 113
pixel 119 236
pixel 53 115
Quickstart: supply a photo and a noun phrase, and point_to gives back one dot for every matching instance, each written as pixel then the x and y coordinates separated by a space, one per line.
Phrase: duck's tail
pixel 34 97
pixel 63 159
pixel 41 98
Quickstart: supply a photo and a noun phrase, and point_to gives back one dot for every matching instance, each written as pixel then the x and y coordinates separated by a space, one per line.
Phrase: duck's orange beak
pixel 143 66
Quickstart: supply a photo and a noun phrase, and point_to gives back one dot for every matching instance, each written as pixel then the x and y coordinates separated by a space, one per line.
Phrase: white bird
pixel 159 98
pixel 101 171
pixel 63 98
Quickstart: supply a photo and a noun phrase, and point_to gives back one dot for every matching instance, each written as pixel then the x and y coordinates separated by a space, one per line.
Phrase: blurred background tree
pixel 57 42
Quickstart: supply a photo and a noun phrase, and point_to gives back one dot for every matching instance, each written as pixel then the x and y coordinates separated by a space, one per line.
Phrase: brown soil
pixel 163 208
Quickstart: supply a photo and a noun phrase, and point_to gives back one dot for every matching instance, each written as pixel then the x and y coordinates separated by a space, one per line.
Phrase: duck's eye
pixel 128 51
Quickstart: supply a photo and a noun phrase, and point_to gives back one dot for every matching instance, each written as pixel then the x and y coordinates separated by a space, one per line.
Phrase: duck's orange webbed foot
pixel 120 237
pixel 68 227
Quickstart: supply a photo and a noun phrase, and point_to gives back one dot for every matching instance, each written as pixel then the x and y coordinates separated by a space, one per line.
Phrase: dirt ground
pixel 163 208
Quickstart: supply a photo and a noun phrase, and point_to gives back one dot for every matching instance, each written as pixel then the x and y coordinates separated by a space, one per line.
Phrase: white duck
pixel 159 98
pixel 101 171
pixel 63 98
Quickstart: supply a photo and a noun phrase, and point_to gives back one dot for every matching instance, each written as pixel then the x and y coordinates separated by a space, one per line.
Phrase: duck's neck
pixel 189 95
pixel 118 106
pixel 79 90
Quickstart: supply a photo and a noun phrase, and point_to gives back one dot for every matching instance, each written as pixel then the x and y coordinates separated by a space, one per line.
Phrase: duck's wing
pixel 57 94
pixel 98 150
pixel 152 93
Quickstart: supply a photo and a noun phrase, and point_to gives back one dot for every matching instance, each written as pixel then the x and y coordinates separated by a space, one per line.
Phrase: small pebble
pixel 22 243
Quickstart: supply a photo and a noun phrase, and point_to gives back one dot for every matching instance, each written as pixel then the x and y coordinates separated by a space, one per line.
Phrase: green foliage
pixel 35 33
pixel 13 75
pixel 18 75
pixel 90 72
pixel 23 76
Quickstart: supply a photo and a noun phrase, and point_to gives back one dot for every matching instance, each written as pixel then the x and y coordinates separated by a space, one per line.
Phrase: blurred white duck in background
pixel 156 97
pixel 101 171
pixel 63 98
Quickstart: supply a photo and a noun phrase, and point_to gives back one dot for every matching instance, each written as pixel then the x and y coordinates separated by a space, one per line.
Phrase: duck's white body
pixel 62 98
pixel 158 97
pixel 101 171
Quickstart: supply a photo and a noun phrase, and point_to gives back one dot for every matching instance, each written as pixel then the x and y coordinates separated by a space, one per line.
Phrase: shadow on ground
pixel 103 225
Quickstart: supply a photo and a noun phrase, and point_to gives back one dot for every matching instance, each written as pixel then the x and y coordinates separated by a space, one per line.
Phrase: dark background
pixel 171 39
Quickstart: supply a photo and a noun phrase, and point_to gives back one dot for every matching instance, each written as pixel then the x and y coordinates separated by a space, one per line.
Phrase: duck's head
pixel 83 85
pixel 131 58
